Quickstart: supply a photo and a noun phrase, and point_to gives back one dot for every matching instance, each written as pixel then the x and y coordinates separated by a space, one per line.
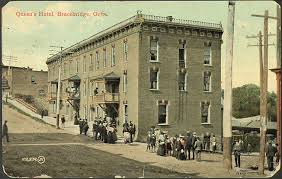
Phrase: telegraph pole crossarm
pixel 263 92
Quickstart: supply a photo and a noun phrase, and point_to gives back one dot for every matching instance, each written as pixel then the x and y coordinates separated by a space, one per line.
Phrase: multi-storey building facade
pixel 153 71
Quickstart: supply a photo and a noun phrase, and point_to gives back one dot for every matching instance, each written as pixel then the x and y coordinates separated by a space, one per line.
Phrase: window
pixel 125 113
pixel 33 80
pixel 84 64
pixel 70 68
pixel 97 60
pixel 91 88
pixel 113 56
pixel 154 47
pixel 105 57
pixel 41 92
pixel 65 69
pixel 207 53
pixel 85 112
pixel 84 88
pixel 205 112
pixel 91 59
pixel 76 65
pixel 163 112
pixel 154 79
pixel 182 81
pixel 182 54
pixel 207 81
pixel 125 81
pixel 125 50
pixel 91 62
pixel 97 112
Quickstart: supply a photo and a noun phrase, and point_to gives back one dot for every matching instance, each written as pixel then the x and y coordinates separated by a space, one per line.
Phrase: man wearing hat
pixel 192 140
pixel 237 154
pixel 270 153
pixel 188 145
pixel 5 131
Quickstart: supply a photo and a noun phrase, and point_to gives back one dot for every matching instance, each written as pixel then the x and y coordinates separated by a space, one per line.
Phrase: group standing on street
pixel 128 132
pixel 181 147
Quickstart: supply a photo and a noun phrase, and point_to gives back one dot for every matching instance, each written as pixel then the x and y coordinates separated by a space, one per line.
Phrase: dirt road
pixel 20 123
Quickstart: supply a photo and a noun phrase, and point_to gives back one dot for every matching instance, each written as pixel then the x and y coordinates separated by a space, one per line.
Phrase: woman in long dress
pixel 162 144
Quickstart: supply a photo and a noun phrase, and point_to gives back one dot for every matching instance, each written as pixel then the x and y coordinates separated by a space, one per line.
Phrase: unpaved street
pixel 65 155
pixel 19 123
pixel 32 138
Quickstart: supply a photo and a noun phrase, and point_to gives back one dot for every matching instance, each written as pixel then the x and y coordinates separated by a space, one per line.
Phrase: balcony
pixel 74 95
pixel 106 98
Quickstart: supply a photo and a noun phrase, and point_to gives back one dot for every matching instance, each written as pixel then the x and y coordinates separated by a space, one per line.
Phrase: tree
pixel 246 102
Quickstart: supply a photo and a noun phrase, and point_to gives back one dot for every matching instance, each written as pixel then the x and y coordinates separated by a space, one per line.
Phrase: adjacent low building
pixel 151 70
pixel 24 81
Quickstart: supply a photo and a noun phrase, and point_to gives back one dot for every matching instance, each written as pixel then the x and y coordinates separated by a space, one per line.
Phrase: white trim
pixel 124 116
pixel 158 79
pixel 124 84
pixel 125 51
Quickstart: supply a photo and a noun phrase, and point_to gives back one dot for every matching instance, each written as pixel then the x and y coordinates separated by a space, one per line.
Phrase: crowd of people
pixel 181 147
pixel 104 130
pixel 191 146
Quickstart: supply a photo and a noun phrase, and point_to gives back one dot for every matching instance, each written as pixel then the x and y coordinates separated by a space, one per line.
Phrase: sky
pixel 29 37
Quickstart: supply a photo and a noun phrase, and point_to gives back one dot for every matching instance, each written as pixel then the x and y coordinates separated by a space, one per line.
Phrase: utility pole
pixel 10 59
pixel 59 87
pixel 263 96
pixel 278 37
pixel 278 84
pixel 227 112
pixel 260 45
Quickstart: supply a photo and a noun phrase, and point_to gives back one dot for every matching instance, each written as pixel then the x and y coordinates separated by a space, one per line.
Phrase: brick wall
pixel 188 115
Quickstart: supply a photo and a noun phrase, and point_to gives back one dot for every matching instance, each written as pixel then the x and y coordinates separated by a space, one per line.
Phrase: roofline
pixel 23 68
pixel 144 18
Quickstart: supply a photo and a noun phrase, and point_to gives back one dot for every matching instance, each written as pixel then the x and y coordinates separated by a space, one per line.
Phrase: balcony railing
pixel 106 98
pixel 181 21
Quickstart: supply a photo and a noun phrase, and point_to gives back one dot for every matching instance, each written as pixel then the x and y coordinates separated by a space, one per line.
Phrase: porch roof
pixel 110 76
pixel 74 78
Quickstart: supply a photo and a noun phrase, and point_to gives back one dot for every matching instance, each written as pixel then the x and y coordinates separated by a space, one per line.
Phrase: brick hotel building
pixel 151 70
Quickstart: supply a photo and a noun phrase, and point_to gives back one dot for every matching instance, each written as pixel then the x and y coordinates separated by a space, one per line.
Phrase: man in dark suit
pixel 192 141
pixel 81 124
pixel 5 131
pixel 270 153
pixel 188 145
